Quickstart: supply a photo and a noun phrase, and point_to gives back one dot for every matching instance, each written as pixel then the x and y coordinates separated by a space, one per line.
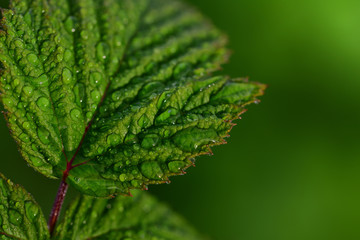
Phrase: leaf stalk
pixel 59 200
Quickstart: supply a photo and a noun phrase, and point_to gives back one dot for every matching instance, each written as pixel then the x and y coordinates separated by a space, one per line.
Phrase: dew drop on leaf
pixel 95 78
pixel 116 95
pixel 32 58
pixel 143 121
pixel 37 162
pixel 123 177
pixel 113 139
pixel 43 103
pixel 75 114
pixel 95 95
pixel 150 140
pixel 43 135
pixel 28 91
pixel 68 55
pixel 151 170
pixel 102 51
pixel 176 166
pixel 31 210
pixel 24 137
pixel 26 125
pixel 66 76
pixel 42 81
pixel 15 217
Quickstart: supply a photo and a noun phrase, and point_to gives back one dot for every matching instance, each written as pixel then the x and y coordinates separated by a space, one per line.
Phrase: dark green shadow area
pixel 4 3
pixel 291 167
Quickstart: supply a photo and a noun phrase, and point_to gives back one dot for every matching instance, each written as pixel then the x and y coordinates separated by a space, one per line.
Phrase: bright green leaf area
pixel 123 87
pixel 20 216
pixel 137 217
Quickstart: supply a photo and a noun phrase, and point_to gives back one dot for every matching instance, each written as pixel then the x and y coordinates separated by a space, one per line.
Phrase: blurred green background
pixel 291 168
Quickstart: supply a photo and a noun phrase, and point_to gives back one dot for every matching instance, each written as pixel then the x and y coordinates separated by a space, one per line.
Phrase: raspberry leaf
pixel 115 94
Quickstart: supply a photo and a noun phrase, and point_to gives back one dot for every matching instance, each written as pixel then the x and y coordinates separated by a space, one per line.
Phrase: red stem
pixel 59 200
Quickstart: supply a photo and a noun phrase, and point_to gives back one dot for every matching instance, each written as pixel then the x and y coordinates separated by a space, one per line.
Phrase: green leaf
pixel 137 217
pixel 20 215
pixel 115 94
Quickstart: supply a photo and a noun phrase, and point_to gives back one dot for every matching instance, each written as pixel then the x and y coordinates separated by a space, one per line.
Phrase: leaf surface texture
pixel 20 216
pixel 137 217
pixel 121 93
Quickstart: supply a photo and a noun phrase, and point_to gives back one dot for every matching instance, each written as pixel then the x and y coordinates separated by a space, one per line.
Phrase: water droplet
pixel 95 78
pixel 28 91
pixel 123 177
pixel 150 88
pixel 130 138
pixel 102 51
pixel 59 57
pixel 24 137
pixel 193 138
pixel 37 162
pixel 79 91
pixel 42 81
pixel 15 82
pixel 26 125
pixel 8 102
pixel 136 183
pixel 116 96
pixel 31 210
pixel 84 35
pixel 43 135
pixel 43 103
pixel 176 166
pixel 15 217
pixel 68 55
pixel 89 115
pixel 34 147
pixel 100 150
pixel 113 139
pixel 66 76
pixel 144 121
pixel 162 99
pixel 150 140
pixel 19 43
pixel 166 115
pixel 151 170
pixel 95 95
pixel 75 114
pixel 69 24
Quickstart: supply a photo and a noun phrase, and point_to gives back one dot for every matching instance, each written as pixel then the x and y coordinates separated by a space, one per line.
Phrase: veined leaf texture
pixel 115 94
